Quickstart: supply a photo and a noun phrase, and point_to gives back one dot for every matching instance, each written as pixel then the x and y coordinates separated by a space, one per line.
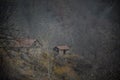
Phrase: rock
pixel 25 57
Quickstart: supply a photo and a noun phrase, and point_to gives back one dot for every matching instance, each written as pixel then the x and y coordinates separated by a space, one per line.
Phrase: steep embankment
pixel 24 66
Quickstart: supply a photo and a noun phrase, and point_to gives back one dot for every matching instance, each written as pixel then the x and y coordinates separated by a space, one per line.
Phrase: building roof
pixel 23 42
pixel 19 43
pixel 63 47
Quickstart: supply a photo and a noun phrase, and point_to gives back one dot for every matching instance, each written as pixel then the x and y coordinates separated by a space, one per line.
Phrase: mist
pixel 89 27
pixel 84 25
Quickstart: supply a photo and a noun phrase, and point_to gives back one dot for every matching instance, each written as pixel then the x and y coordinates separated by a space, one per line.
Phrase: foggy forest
pixel 59 40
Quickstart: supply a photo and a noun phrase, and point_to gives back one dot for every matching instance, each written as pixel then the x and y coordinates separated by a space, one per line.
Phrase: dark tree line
pixel 6 10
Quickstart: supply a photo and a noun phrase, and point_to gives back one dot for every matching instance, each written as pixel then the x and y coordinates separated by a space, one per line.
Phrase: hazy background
pixel 87 26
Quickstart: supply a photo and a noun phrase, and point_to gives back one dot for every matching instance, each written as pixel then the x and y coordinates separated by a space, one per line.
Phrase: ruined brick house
pixel 29 46
pixel 24 45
